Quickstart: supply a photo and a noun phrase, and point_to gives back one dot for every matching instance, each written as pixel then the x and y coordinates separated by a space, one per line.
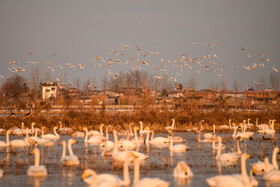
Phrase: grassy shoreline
pixel 153 119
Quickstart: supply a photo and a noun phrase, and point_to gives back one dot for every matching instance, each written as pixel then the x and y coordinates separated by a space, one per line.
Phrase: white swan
pixel 264 166
pixel 262 126
pixel 210 135
pixel 96 133
pixel 21 142
pixel 226 157
pixel 107 143
pixel 54 136
pixel 71 159
pixel 182 171
pixel 232 180
pixel 7 143
pixel 98 139
pixel 226 127
pixel 273 175
pixel 156 140
pixel 119 156
pixel 177 147
pixel 269 130
pixel 42 141
pixel 205 140
pixel 172 127
pixel 64 130
pixel 90 177
pixel 126 144
pixel 19 131
pixel 78 134
pixel 151 182
pixel 37 170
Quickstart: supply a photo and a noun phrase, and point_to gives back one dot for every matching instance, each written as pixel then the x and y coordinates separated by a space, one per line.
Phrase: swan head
pixel 102 125
pixel 9 132
pixel 140 122
pixel 62 143
pixel 276 149
pixel 33 123
pixel 35 150
pixel 55 127
pixel 184 166
pixel 88 172
pixel 246 155
pixel 72 141
pixel 85 129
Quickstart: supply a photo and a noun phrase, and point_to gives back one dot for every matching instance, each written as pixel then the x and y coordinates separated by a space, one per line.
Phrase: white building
pixel 49 89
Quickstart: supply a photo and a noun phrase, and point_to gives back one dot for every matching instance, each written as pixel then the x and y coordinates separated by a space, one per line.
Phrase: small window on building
pixel 53 89
pixel 47 90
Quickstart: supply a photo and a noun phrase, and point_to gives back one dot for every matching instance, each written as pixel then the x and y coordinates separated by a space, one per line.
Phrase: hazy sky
pixel 79 30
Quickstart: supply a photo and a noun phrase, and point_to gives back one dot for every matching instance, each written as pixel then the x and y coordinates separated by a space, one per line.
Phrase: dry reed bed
pixel 153 119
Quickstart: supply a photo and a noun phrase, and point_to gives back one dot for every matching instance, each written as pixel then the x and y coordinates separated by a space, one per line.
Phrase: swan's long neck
pixel 36 132
pixel 219 148
pixel 116 141
pixel 148 137
pixel 86 136
pixel 153 133
pixel 198 137
pixel 70 148
pixel 136 170
pixel 63 150
pixel 7 138
pixel 274 161
pixel 229 122
pixel 136 137
pixel 244 174
pixel 173 123
pixel 32 128
pixel 214 129
pixel 37 157
pixel 234 132
pixel 101 129
pixel 22 126
pixel 238 147
pixel 126 178
pixel 55 133
pixel 130 130
pixel 105 148
pixel 171 143
pixel 60 125
pixel 107 134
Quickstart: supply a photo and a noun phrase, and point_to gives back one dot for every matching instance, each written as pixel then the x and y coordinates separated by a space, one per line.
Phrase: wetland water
pixel 200 157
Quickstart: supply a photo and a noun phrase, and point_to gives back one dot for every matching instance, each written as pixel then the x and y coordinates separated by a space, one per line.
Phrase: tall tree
pixel 14 87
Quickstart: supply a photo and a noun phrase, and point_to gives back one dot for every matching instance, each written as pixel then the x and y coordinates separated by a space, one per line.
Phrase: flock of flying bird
pixel 164 68
pixel 123 153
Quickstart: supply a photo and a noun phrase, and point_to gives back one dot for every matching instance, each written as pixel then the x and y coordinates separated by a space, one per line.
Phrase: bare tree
pixel 192 83
pixel 274 80
pixel 224 85
pixel 14 87
pixel 236 86
pixel 35 77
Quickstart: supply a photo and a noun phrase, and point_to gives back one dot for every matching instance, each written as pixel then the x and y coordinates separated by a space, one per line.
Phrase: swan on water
pixel 71 159
pixel 54 136
pixel 182 170
pixel 90 177
pixel 233 180
pixel 37 170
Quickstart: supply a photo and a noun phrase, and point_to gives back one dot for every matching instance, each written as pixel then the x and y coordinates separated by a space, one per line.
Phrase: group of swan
pixel 227 157
pixel 234 179
pixel 90 177
pixel 71 159
pixel 261 167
